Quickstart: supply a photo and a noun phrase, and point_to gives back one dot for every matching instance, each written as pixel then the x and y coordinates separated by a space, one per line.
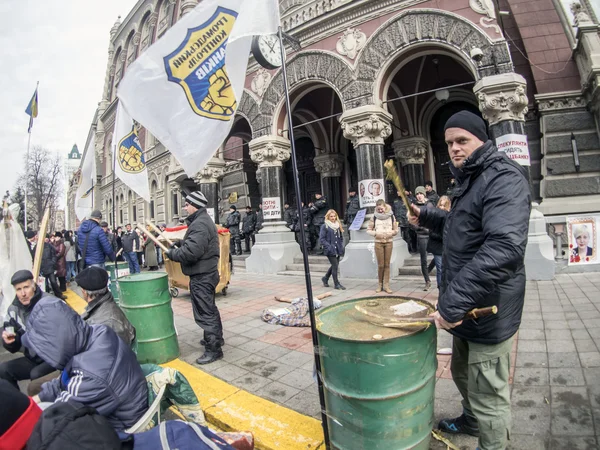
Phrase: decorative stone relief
pixel 152 20
pixel 211 173
pixel 485 7
pixel 580 14
pixel 329 165
pixel 502 97
pixel 270 151
pixel 411 150
pixel 366 125
pixel 351 42
pixel 557 102
pixel 260 82
pixel 234 166
pixel 136 38
pixel 187 6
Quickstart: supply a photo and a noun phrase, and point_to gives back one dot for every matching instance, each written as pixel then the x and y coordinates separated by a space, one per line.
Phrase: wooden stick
pixel 392 175
pixel 153 239
pixel 160 233
pixel 39 249
pixel 289 300
pixel 394 320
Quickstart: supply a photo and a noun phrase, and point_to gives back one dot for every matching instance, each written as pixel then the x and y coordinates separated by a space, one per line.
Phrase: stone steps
pixel 313 267
pixel 412 267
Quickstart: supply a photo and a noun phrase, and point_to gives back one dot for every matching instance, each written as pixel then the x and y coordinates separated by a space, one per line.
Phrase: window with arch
pixel 118 67
pixel 145 33
pixel 133 207
pixel 121 198
pixel 153 189
pixel 131 49
pixel 163 17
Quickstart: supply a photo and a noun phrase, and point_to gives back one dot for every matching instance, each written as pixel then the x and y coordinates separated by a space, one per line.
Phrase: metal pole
pixel 27 176
pixel 311 305
pixel 114 217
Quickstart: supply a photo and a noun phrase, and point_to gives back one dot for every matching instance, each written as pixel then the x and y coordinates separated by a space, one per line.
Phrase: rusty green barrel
pixel 146 302
pixel 122 271
pixel 379 382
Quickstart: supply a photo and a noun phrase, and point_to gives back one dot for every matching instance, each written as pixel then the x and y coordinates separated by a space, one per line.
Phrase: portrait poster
pixel 369 191
pixel 271 208
pixel 583 235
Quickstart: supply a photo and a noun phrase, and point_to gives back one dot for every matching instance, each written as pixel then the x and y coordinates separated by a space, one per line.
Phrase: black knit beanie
pixel 470 122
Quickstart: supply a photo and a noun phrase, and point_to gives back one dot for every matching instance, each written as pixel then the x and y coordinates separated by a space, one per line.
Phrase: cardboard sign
pixel 369 191
pixel 516 148
pixel 271 207
pixel 583 236
pixel 358 220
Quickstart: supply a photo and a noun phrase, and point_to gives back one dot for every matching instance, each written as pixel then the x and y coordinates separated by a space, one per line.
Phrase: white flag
pixel 84 197
pixel 130 164
pixel 186 87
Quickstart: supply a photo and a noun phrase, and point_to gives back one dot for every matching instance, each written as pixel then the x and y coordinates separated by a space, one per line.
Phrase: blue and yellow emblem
pixel 198 66
pixel 130 155
pixel 88 192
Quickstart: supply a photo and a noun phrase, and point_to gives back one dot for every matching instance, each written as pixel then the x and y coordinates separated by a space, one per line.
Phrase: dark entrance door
pixel 441 159
pixel 310 179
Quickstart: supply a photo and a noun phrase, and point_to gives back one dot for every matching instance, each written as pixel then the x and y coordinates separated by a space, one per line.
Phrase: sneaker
pixel 459 425
pixel 325 281
pixel 427 286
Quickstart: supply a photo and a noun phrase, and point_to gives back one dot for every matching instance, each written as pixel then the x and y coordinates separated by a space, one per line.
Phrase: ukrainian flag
pixel 32 109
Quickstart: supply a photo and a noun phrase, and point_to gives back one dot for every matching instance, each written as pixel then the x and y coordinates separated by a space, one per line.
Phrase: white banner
pixel 130 164
pixel 369 191
pixel 211 213
pixel 516 148
pixel 271 207
pixel 185 89
pixel 583 236
pixel 84 197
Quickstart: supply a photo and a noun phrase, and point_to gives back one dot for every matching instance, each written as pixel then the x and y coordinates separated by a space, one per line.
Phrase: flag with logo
pixel 86 180
pixel 185 88
pixel 130 164
pixel 32 109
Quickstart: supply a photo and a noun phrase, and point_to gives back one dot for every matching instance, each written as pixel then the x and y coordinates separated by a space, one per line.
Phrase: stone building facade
pixel 377 79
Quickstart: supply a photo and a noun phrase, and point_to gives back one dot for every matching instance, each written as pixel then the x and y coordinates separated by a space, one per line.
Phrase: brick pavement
pixel 555 371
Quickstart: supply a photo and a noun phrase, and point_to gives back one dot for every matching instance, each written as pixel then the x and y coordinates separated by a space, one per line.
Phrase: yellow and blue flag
pixel 32 109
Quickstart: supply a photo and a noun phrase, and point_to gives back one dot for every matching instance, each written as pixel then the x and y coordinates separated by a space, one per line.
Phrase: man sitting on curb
pixel 101 308
pixel 30 366
pixel 98 368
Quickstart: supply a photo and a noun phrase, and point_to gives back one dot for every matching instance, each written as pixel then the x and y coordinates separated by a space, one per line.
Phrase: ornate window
pixel 145 37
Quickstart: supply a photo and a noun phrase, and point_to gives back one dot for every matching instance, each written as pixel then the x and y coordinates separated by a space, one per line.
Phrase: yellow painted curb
pixel 232 409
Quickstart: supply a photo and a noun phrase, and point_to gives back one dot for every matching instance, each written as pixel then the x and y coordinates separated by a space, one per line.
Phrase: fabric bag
pixel 176 434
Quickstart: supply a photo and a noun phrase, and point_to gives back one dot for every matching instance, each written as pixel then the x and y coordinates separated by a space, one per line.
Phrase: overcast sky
pixel 63 44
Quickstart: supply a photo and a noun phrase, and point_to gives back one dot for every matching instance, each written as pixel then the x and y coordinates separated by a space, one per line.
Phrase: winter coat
pixel 260 218
pixel 199 251
pixel 249 223
pixel 98 247
pixel 435 244
pixel 319 210
pixel 485 235
pixel 104 311
pixel 131 242
pixel 71 255
pixel 352 208
pixel 433 197
pixel 17 315
pixel 233 222
pixel 150 255
pixel 422 232
pixel 400 213
pixel 98 368
pixel 332 241
pixel 306 217
pixel 61 261
pixel 48 266
pixel 383 230
pixel 112 240
pixel 288 217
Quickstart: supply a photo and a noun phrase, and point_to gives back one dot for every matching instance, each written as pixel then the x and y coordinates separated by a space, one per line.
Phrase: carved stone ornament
pixel 152 20
pixel 210 174
pixel 351 42
pixel 136 38
pixel 411 150
pixel 580 14
pixel 367 124
pixel 270 151
pixel 187 6
pixel 329 165
pixel 553 103
pixel 260 82
pixel 486 7
pixel 502 97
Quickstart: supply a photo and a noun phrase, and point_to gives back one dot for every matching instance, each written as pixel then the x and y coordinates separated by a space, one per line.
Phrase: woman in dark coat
pixel 332 240
pixel 61 260
pixel 150 252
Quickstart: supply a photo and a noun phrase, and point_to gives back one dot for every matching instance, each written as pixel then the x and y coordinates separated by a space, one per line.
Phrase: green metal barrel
pixel 379 382
pixel 122 271
pixel 146 302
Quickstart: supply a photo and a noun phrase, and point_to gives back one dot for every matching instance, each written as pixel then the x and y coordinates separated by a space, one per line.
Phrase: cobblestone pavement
pixel 555 365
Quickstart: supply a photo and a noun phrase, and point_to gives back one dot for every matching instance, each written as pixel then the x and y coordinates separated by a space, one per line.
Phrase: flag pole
pixel 114 217
pixel 27 175
pixel 311 306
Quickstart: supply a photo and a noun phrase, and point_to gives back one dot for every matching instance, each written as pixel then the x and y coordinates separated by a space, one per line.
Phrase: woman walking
pixel 383 227
pixel 332 239
pixel 61 262
pixel 150 252
pixel 71 256
pixel 435 245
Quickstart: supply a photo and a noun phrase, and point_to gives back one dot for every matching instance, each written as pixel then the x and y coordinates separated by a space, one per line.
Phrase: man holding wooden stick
pixel 485 235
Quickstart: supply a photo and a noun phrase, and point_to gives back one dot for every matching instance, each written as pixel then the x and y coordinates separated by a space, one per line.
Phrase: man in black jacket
pixel 248 226
pixel 288 215
pixel 485 235
pixel 199 258
pixel 233 225
pixel 352 208
pixel 430 193
pixel 318 210
pixel 131 245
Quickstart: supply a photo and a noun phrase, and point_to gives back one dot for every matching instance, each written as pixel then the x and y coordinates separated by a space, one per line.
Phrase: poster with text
pixel 271 208
pixel 369 191
pixel 516 148
pixel 583 237
pixel 358 220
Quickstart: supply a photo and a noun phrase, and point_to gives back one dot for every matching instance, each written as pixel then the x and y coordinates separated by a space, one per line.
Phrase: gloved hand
pixel 175 245
pixel 168 253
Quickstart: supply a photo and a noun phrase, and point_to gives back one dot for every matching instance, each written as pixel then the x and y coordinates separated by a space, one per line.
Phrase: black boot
pixel 339 286
pixel 325 281
pixel 210 355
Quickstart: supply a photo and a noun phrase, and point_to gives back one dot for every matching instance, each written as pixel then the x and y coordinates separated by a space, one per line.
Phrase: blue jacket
pixel 332 241
pixel 98 368
pixel 98 248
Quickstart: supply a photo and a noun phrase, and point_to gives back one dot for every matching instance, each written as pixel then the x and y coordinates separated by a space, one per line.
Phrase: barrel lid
pixel 343 321
pixel 144 276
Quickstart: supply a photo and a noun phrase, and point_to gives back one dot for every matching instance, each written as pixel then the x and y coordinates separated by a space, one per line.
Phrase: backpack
pixel 176 434
pixel 66 426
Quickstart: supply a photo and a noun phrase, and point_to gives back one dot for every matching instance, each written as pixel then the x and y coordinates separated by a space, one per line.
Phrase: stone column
pixel 275 244
pixel 368 127
pixel 330 166
pixel 208 180
pixel 410 153
pixel 187 6
pixel 174 189
pixel 503 103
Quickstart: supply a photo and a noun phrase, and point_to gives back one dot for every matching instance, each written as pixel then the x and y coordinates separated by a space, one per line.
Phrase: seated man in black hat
pixel 30 366
pixel 101 308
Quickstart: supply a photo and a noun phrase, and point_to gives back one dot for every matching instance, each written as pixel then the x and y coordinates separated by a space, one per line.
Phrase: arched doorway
pixel 309 178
